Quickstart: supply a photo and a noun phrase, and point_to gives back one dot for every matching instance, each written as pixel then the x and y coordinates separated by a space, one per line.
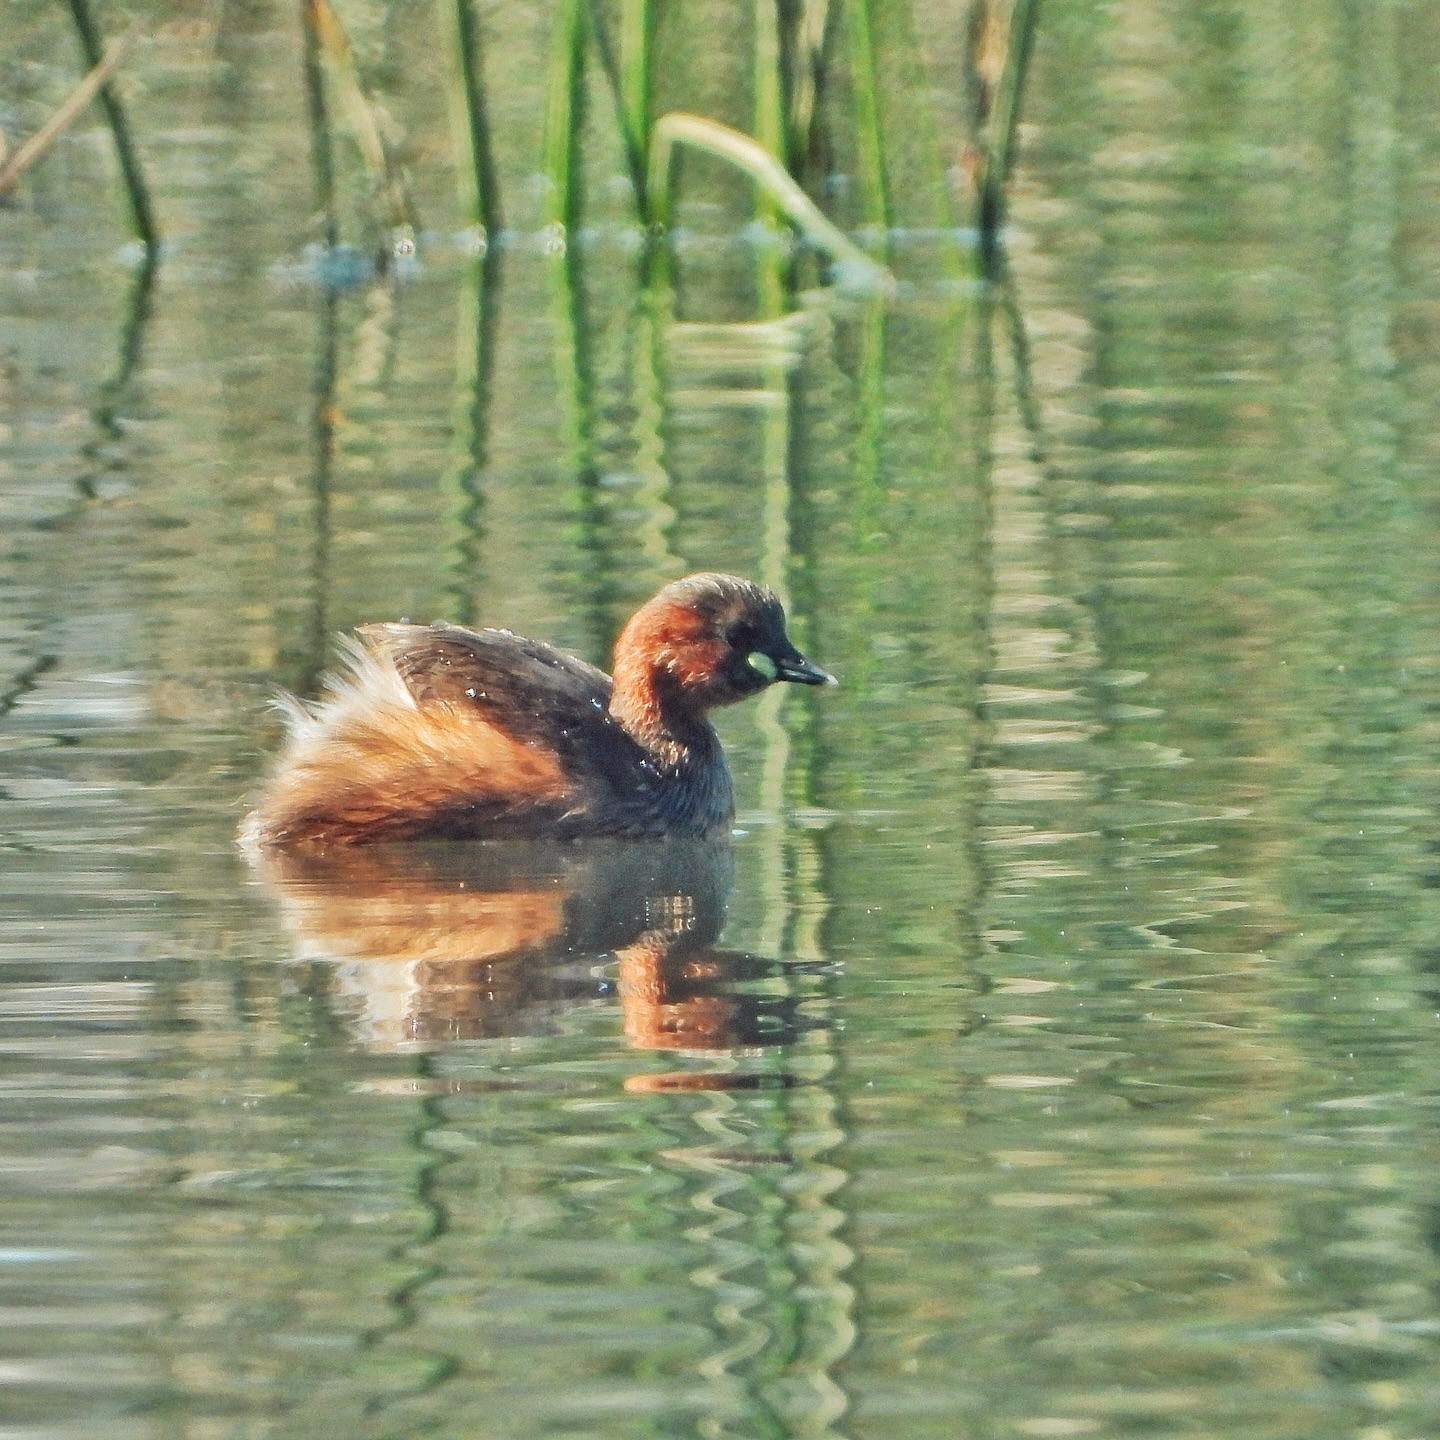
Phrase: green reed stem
pixel 475 180
pixel 564 119
pixel 870 157
pixel 479 196
pixel 931 160
pixel 999 149
pixel 770 133
pixel 775 457
pixel 605 49
pixel 637 33
pixel 870 412
pixel 564 113
pixel 768 82
pixel 855 266
pixel 137 193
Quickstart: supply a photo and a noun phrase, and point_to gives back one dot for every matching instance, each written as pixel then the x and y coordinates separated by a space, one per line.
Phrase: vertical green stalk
pixel 562 145
pixel 629 72
pixel 636 85
pixel 773 571
pixel 723 1198
pixel 475 180
pixel 962 395
pixel 479 201
pixel 768 80
pixel 563 116
pixel 875 214
pixel 1027 403
pixel 775 467
pixel 933 157
pixel 868 500
pixel 116 390
pixel 870 157
pixel 813 1402
pixel 770 132
pixel 137 193
pixel 998 153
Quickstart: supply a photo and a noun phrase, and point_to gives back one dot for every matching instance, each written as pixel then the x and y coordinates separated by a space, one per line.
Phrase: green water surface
pixel 1054 1051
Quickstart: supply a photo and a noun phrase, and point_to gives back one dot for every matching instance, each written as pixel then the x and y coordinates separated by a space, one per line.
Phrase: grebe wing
pixel 526 688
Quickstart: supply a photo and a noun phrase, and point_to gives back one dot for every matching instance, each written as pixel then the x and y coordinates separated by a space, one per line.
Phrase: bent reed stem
pixel 855 267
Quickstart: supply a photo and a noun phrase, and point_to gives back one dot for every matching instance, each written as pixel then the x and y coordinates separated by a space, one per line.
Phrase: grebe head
pixel 705 641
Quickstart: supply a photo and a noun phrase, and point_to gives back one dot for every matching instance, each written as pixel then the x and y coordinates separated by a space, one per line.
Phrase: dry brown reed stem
pixel 33 148
pixel 334 45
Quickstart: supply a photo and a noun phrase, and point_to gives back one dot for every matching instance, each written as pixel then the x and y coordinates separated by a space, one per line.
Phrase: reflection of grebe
pixel 444 733
pixel 437 942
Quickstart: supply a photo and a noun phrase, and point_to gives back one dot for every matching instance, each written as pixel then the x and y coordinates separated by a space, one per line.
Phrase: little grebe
pixel 438 732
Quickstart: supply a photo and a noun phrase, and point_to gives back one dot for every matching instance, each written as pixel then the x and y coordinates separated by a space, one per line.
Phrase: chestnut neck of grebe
pixel 665 680
pixel 653 708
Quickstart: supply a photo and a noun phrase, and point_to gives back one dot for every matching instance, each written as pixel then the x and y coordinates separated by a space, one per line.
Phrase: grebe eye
pixel 762 664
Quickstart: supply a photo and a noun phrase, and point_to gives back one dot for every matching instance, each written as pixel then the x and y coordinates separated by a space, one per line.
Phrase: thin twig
pixel 79 98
